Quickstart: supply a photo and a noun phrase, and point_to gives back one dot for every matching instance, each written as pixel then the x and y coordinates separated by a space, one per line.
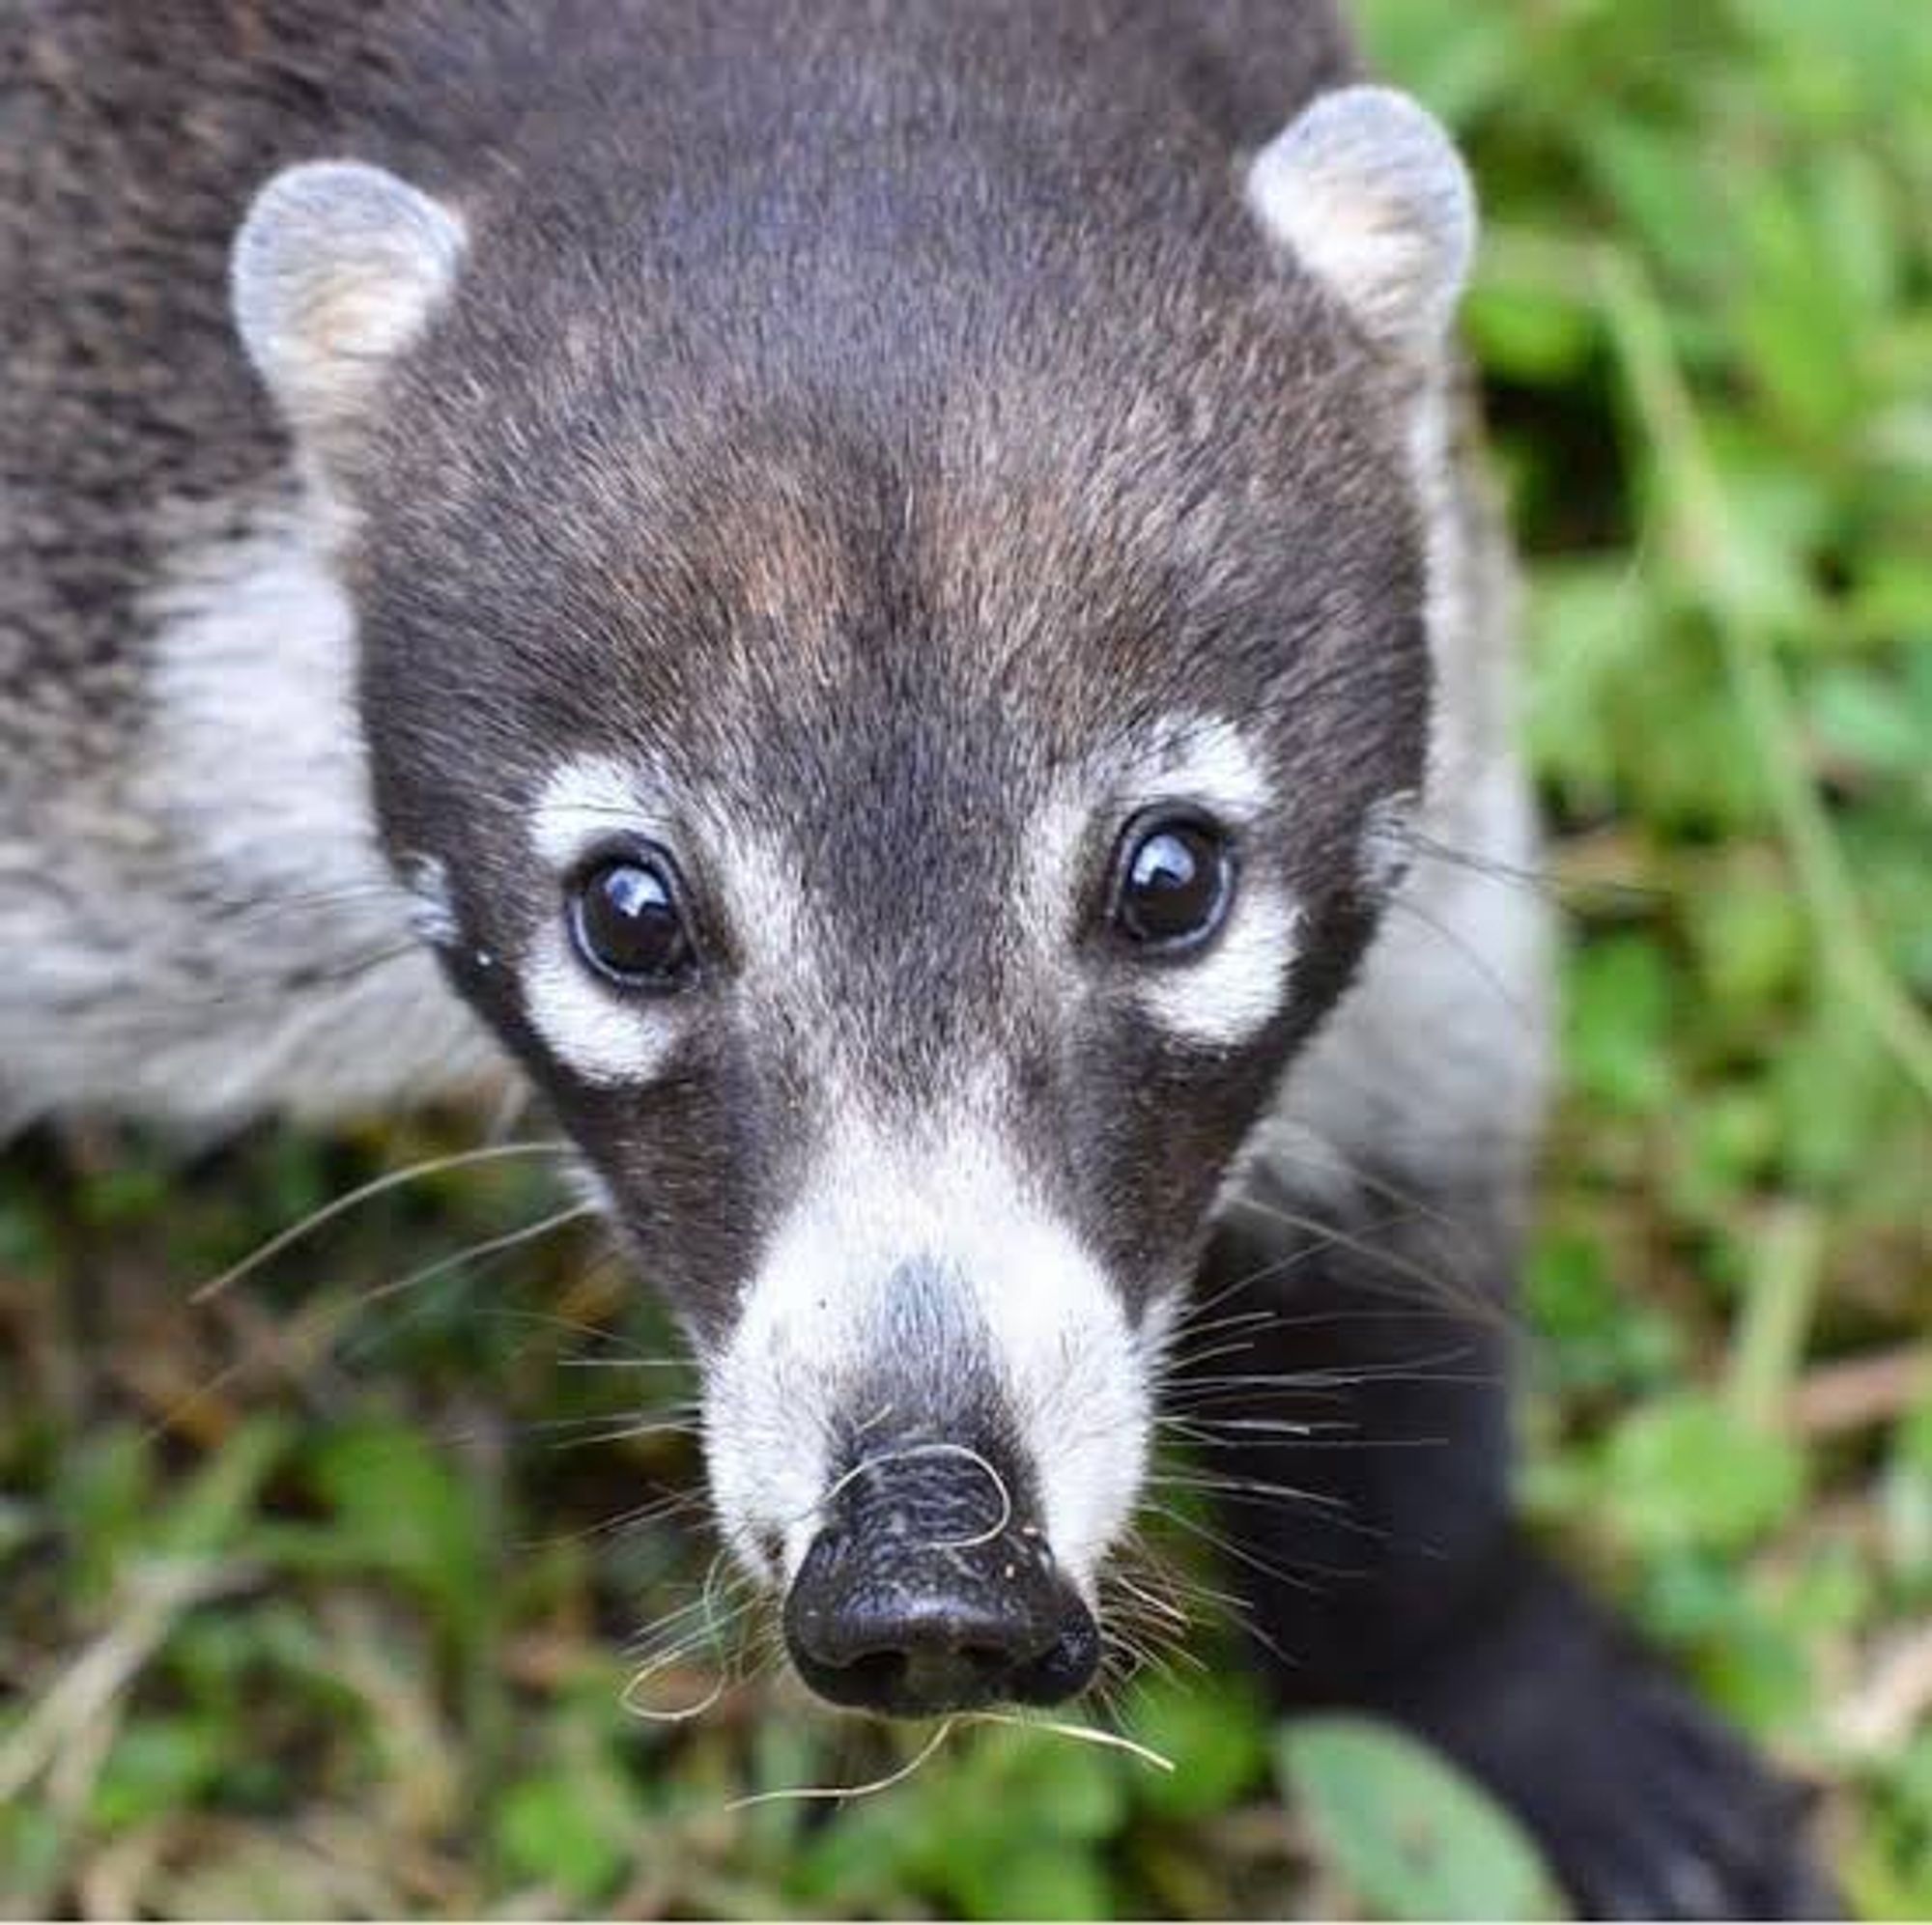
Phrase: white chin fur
pixel 1029 1301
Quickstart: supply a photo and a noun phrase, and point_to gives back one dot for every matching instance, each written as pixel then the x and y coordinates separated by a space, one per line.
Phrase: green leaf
pixel 1589 1333
pixel 1530 333
pixel 1905 1500
pixel 1621 995
pixel 1412 1835
pixel 1684 1471
pixel 548 1829
pixel 1213 1731
pixel 1658 182
pixel 1871 723
pixel 1458 59
pixel 402 1508
pixel 205 1517
pixel 993 1800
pixel 1039 1880
pixel 1751 941
pixel 34 1850
pixel 105 1492
pixel 157 1768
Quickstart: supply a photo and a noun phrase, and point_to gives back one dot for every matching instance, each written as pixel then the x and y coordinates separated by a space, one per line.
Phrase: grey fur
pixel 657 475
pixel 663 478
pixel 855 444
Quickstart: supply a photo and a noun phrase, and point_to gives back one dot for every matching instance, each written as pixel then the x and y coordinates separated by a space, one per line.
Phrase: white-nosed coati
pixel 889 602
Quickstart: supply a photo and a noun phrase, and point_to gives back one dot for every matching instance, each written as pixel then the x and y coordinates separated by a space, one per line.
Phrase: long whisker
pixel 1213 1598
pixel 710 1626
pixel 633 1359
pixel 394 1179
pixel 839 1793
pixel 623 1363
pixel 1240 1552
pixel 624 1431
pixel 673 1503
pixel 510 1239
pixel 1084 1733
pixel 1545 884
pixel 1234 1487
pixel 1485 970
pixel 1484 1307
pixel 1413 1205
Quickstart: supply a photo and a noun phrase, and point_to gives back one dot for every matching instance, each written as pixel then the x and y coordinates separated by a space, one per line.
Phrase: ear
pixel 1368 193
pixel 334 272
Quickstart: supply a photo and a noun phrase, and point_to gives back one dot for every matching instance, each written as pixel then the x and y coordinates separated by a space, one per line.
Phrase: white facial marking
pixel 1210 763
pixel 597 798
pixel 605 1036
pixel 590 801
pixel 1189 761
pixel 1234 988
pixel 818 1332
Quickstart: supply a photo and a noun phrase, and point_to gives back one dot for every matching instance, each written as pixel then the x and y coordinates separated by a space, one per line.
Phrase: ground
pixel 330 1592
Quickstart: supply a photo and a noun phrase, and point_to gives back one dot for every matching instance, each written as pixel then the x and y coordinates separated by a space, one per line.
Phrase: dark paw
pixel 1645 1804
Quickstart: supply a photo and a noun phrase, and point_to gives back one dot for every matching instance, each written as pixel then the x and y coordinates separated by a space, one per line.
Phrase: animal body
pixel 892 606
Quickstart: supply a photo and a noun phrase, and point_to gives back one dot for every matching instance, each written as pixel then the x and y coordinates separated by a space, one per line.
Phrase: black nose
pixel 928 1592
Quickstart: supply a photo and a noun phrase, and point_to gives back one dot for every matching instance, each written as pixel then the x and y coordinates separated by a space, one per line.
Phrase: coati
pixel 892 604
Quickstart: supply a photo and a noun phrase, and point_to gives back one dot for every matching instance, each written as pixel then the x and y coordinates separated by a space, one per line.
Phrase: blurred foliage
pixel 1413 1839
pixel 313 1603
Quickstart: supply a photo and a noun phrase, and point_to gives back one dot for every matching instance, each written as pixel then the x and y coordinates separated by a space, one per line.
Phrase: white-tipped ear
pixel 333 272
pixel 1371 196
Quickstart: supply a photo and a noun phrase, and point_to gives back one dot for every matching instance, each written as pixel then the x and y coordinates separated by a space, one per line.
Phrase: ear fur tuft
pixel 335 270
pixel 1366 190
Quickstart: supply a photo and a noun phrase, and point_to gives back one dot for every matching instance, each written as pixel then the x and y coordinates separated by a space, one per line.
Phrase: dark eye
pixel 1174 880
pixel 628 925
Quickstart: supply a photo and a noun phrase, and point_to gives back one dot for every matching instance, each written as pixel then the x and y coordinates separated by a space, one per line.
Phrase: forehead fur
pixel 1087 517
pixel 864 504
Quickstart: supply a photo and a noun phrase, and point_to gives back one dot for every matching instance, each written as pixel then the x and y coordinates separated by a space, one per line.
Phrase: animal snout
pixel 927 1590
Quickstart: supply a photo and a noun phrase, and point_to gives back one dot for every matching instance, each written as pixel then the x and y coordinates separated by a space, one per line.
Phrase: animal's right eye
pixel 629 924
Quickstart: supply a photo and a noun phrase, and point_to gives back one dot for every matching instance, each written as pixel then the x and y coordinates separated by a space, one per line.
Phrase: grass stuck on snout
pixel 320 1597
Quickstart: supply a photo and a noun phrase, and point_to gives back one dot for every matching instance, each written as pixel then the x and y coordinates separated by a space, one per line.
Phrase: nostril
pixel 877 1676
pixel 867 1628
pixel 867 1632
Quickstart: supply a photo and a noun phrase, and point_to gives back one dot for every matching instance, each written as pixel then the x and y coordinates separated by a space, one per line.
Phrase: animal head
pixel 894 730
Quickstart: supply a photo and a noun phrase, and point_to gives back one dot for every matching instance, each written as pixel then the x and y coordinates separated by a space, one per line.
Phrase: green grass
pixel 311 1604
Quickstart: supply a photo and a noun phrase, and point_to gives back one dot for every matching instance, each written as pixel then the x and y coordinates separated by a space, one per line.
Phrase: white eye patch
pixel 1234 987
pixel 1206 762
pixel 600 803
pixel 590 801
pixel 606 1035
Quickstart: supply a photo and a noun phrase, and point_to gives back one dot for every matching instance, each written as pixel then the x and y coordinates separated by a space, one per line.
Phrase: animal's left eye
pixel 629 925
pixel 1173 880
